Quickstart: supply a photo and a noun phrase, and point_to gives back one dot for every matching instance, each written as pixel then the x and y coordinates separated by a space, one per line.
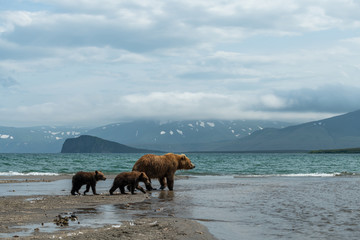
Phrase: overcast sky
pixel 92 62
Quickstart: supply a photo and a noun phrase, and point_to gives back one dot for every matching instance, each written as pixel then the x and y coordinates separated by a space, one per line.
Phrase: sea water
pixel 228 164
pixel 237 196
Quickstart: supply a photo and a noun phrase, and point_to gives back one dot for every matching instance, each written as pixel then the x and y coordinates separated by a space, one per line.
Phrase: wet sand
pixel 230 207
pixel 31 216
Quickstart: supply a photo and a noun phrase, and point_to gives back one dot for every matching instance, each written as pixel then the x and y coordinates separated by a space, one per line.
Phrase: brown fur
pixel 130 179
pixel 162 167
pixel 88 178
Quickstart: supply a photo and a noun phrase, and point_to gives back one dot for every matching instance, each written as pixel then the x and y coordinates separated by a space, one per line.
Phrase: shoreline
pixel 38 178
pixel 32 216
pixel 33 178
pixel 51 178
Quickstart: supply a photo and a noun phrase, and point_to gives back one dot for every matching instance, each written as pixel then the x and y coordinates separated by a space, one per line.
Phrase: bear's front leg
pixel 93 188
pixel 87 189
pixel 170 182
pixel 162 183
pixel 140 188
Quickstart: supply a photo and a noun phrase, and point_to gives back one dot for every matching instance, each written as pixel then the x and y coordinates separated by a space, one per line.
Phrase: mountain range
pixel 170 136
pixel 338 132
pixel 333 133
pixel 180 136
pixel 42 139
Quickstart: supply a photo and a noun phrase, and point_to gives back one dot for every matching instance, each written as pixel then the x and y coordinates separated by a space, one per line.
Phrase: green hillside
pixel 344 150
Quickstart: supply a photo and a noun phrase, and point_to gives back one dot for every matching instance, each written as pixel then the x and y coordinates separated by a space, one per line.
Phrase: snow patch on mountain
pixel 59 135
pixel 211 124
pixel 201 124
pixel 6 136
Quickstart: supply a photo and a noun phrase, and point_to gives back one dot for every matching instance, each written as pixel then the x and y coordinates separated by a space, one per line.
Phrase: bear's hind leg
pixel 132 188
pixel 113 188
pixel 75 189
pixel 162 183
pixel 122 189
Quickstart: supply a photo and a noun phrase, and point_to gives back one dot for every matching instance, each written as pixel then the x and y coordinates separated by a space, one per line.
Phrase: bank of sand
pixel 37 210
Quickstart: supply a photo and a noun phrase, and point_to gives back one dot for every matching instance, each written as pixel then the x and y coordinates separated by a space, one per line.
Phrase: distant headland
pixel 91 144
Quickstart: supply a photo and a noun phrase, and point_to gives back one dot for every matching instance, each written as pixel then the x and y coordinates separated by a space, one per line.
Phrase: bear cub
pixel 88 178
pixel 130 179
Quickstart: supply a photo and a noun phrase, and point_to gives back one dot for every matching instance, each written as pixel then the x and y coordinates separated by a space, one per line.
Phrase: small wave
pixel 308 175
pixel 342 174
pixel 290 175
pixel 11 173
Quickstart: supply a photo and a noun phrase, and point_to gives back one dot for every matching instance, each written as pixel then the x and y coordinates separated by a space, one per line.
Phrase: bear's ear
pixel 142 174
pixel 183 157
pixel 96 172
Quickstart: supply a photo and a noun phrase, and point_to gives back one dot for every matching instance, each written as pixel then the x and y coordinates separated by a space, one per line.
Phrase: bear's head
pixel 185 163
pixel 99 176
pixel 144 178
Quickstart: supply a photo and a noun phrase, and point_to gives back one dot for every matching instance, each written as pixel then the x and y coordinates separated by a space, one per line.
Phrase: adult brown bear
pixel 88 178
pixel 162 167
pixel 130 179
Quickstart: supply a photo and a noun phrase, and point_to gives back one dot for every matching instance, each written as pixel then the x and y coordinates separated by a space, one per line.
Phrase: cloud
pixel 124 29
pixel 176 105
pixel 154 25
pixel 104 61
pixel 7 81
pixel 327 98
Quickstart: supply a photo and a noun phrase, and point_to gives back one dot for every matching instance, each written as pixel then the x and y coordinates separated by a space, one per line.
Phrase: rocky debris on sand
pixel 64 221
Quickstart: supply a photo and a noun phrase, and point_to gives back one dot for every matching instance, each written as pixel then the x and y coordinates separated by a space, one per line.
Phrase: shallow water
pixel 246 208
pixel 275 207
pixel 60 187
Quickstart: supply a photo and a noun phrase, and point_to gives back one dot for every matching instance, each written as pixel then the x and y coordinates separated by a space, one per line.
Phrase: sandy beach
pixel 32 216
